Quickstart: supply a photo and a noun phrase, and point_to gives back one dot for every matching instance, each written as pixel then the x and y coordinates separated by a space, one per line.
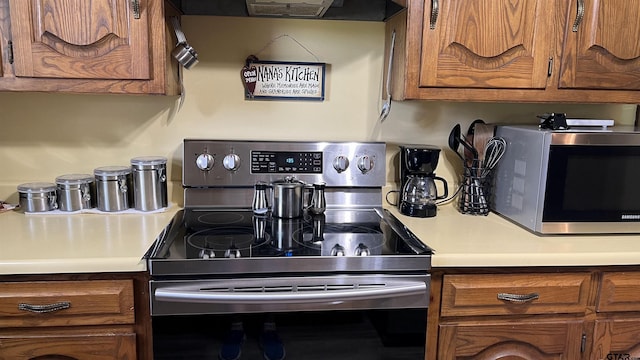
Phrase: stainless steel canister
pixel 37 197
pixel 113 185
pixel 75 192
pixel 149 182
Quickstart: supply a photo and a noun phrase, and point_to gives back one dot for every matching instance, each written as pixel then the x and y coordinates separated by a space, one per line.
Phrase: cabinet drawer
pixel 66 303
pixel 507 294
pixel 620 292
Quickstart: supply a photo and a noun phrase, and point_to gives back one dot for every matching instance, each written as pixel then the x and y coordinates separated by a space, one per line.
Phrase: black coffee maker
pixel 418 192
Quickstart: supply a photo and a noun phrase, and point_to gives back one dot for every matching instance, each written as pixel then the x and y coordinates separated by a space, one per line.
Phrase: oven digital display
pixel 266 162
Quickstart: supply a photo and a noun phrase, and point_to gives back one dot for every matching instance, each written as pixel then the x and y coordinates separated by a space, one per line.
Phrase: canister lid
pixel 149 160
pixel 112 170
pixel 36 187
pixel 74 179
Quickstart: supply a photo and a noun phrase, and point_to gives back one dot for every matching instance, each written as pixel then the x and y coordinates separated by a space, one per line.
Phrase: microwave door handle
pixel 180 294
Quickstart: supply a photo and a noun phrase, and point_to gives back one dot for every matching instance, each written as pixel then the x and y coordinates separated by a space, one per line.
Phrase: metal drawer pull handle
pixel 517 298
pixel 435 9
pixel 579 15
pixel 40 309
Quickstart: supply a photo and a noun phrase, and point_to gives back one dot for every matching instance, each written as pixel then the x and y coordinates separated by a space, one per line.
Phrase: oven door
pixel 323 317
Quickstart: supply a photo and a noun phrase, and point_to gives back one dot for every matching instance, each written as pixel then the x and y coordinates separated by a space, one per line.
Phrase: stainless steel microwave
pixel 569 181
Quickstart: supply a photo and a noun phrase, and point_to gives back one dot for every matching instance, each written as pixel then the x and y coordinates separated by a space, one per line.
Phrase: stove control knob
pixel 362 250
pixel 337 250
pixel 340 163
pixel 231 162
pixel 365 164
pixel 205 162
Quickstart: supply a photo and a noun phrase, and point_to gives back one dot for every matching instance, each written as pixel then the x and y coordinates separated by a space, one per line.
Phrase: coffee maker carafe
pixel 418 194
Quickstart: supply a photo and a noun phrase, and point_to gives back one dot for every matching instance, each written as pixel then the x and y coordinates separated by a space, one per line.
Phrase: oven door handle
pixel 204 295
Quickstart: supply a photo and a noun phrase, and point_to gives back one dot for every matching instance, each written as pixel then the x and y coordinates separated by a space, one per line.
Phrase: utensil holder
pixel 476 191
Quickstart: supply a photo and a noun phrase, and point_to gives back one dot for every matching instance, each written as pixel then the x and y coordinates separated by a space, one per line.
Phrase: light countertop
pixel 88 243
pixel 78 243
pixel 491 241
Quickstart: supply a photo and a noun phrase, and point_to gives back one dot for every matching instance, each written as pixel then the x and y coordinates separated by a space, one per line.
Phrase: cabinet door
pixel 616 339
pixel 517 340
pixel 4 35
pixel 604 50
pixel 80 39
pixel 486 44
pixel 69 347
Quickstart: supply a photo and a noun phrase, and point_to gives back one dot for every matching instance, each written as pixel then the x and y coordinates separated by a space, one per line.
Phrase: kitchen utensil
pixel 470 135
pixel 494 150
pixel 456 138
pixel 149 182
pixel 482 134
pixel 185 54
pixel 75 192
pixel 454 141
pixel 386 107
pixel 37 197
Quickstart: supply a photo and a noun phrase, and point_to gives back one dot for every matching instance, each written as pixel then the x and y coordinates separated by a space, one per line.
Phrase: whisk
pixel 493 152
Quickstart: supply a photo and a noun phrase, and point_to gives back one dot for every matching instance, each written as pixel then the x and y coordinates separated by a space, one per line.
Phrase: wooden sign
pixel 284 80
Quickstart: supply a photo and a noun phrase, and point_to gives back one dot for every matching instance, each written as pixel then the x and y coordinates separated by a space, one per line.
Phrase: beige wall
pixel 46 135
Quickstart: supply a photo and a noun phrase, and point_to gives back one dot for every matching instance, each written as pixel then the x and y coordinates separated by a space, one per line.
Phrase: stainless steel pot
pixel 75 192
pixel 37 197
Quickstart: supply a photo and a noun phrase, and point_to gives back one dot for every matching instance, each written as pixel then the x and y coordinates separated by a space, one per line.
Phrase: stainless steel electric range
pixel 219 256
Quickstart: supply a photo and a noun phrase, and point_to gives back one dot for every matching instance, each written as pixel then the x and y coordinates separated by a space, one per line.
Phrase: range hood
pixel 361 10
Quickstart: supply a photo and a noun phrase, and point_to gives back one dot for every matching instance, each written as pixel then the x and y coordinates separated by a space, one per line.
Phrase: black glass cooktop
pixel 206 237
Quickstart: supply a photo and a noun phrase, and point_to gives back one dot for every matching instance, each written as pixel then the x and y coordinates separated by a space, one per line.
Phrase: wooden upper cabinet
pixel 485 44
pixel 88 46
pixel 516 51
pixel 81 39
pixel 602 47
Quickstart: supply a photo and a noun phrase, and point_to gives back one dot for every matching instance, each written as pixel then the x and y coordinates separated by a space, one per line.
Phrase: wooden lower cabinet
pixel 526 340
pixel 80 316
pixel 617 339
pixel 68 346
pixel 530 314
